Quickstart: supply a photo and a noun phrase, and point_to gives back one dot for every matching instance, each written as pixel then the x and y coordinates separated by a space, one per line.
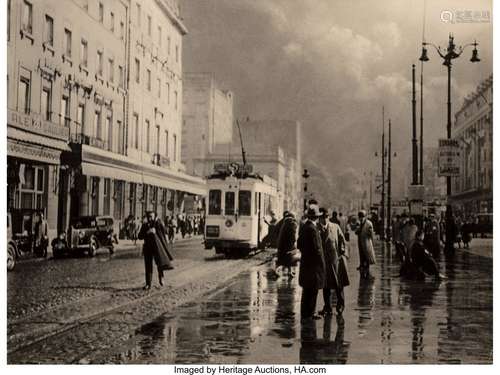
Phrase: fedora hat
pixel 313 211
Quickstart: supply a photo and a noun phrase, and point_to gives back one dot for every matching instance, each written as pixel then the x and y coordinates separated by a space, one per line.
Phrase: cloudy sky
pixel 333 64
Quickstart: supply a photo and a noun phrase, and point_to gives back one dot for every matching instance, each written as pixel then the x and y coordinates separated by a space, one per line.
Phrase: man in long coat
pixel 333 243
pixel 312 264
pixel 155 247
pixel 365 244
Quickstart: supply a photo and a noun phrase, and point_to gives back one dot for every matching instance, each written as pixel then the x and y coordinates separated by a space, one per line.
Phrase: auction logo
pixel 465 16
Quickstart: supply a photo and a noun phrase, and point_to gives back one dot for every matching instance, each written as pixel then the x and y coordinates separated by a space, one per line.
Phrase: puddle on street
pixel 387 320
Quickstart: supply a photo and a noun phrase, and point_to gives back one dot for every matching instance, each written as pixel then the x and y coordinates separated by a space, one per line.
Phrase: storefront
pixel 34 167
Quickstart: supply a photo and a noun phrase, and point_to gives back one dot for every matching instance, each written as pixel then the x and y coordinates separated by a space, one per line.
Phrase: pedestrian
pixel 287 250
pixel 333 244
pixel 271 238
pixel 334 218
pixel 344 227
pixel 422 259
pixel 312 264
pixel 432 238
pixel 41 236
pixel 467 233
pixel 365 245
pixel 408 232
pixel 155 248
pixel 175 227
pixel 183 225
pixel 396 229
pixel 136 228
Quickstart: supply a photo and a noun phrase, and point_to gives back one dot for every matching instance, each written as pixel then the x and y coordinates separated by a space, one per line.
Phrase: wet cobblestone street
pixel 387 320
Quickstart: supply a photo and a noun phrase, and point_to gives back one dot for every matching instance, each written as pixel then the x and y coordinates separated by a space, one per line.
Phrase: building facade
pixel 94 108
pixel 472 191
pixel 207 119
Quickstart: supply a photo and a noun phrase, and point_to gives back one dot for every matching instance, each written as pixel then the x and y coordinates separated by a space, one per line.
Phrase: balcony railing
pixel 160 160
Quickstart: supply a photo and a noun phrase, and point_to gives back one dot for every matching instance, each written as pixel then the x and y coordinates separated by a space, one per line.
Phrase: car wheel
pixel 92 247
pixel 11 257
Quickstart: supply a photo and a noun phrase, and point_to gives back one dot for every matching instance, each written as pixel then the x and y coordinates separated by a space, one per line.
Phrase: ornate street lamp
pixel 451 53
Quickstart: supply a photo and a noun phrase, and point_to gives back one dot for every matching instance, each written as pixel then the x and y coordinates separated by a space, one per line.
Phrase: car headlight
pixel 81 234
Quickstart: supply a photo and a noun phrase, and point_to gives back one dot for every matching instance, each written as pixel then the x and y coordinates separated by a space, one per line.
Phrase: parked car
pixel 88 234
pixel 11 245
pixel 20 236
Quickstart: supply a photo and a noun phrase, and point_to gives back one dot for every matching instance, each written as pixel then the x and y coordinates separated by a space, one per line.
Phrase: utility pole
pixel 414 159
pixel 382 202
pixel 421 123
pixel 389 234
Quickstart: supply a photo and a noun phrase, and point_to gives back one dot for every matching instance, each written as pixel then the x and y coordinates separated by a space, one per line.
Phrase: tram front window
pixel 229 203
pixel 244 203
pixel 214 199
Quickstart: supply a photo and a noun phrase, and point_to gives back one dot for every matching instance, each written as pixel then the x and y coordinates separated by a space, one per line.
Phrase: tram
pixel 238 202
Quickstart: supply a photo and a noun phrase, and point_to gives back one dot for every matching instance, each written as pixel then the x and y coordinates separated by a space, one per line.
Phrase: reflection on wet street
pixel 387 320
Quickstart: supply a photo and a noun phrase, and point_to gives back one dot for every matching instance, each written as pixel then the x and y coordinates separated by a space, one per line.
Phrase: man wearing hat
pixel 365 244
pixel 312 264
pixel 333 249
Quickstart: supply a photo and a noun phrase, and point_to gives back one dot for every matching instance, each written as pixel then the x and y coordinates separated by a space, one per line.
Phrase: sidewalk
pixel 480 246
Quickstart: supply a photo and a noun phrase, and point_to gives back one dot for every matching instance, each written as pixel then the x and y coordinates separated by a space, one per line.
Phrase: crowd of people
pixel 181 224
pixel 320 242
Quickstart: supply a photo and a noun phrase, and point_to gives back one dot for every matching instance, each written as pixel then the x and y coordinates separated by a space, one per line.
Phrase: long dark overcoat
pixel 156 244
pixel 286 241
pixel 312 261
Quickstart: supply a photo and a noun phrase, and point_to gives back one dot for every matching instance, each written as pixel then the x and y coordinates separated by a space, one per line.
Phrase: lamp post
pixel 305 176
pixel 389 203
pixel 451 53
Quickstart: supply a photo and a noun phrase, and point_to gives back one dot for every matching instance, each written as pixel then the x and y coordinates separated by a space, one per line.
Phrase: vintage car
pixel 11 245
pixel 88 234
pixel 20 237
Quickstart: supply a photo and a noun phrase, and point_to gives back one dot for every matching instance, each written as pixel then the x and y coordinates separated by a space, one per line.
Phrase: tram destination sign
pixel 449 158
pixel 232 168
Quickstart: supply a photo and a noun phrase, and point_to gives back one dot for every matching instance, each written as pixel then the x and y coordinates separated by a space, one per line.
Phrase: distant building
pixel 207 119
pixel 472 191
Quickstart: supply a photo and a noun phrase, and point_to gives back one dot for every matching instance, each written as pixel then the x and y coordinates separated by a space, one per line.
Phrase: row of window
pixel 135 135
pixel 101 134
pixel 244 202
pixel 109 137
pixel 137 77
pixel 149 28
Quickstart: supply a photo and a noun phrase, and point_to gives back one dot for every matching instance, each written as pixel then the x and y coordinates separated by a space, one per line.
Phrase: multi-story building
pixel 207 119
pixel 154 109
pixel 472 191
pixel 94 108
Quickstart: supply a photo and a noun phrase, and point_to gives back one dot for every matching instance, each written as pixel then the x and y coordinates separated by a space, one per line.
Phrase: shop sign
pixel 34 123
pixel 449 158
pixel 33 153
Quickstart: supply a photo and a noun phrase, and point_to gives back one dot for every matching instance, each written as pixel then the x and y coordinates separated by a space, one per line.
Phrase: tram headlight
pixel 212 231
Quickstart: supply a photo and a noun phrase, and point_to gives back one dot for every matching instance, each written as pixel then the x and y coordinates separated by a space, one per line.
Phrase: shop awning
pixel 97 170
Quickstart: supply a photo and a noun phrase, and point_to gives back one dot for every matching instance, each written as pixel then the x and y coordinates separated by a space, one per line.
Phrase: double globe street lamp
pixel 451 53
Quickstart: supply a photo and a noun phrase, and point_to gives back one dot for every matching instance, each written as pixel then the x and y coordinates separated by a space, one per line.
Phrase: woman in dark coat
pixel 312 263
pixel 286 243
pixel 155 247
